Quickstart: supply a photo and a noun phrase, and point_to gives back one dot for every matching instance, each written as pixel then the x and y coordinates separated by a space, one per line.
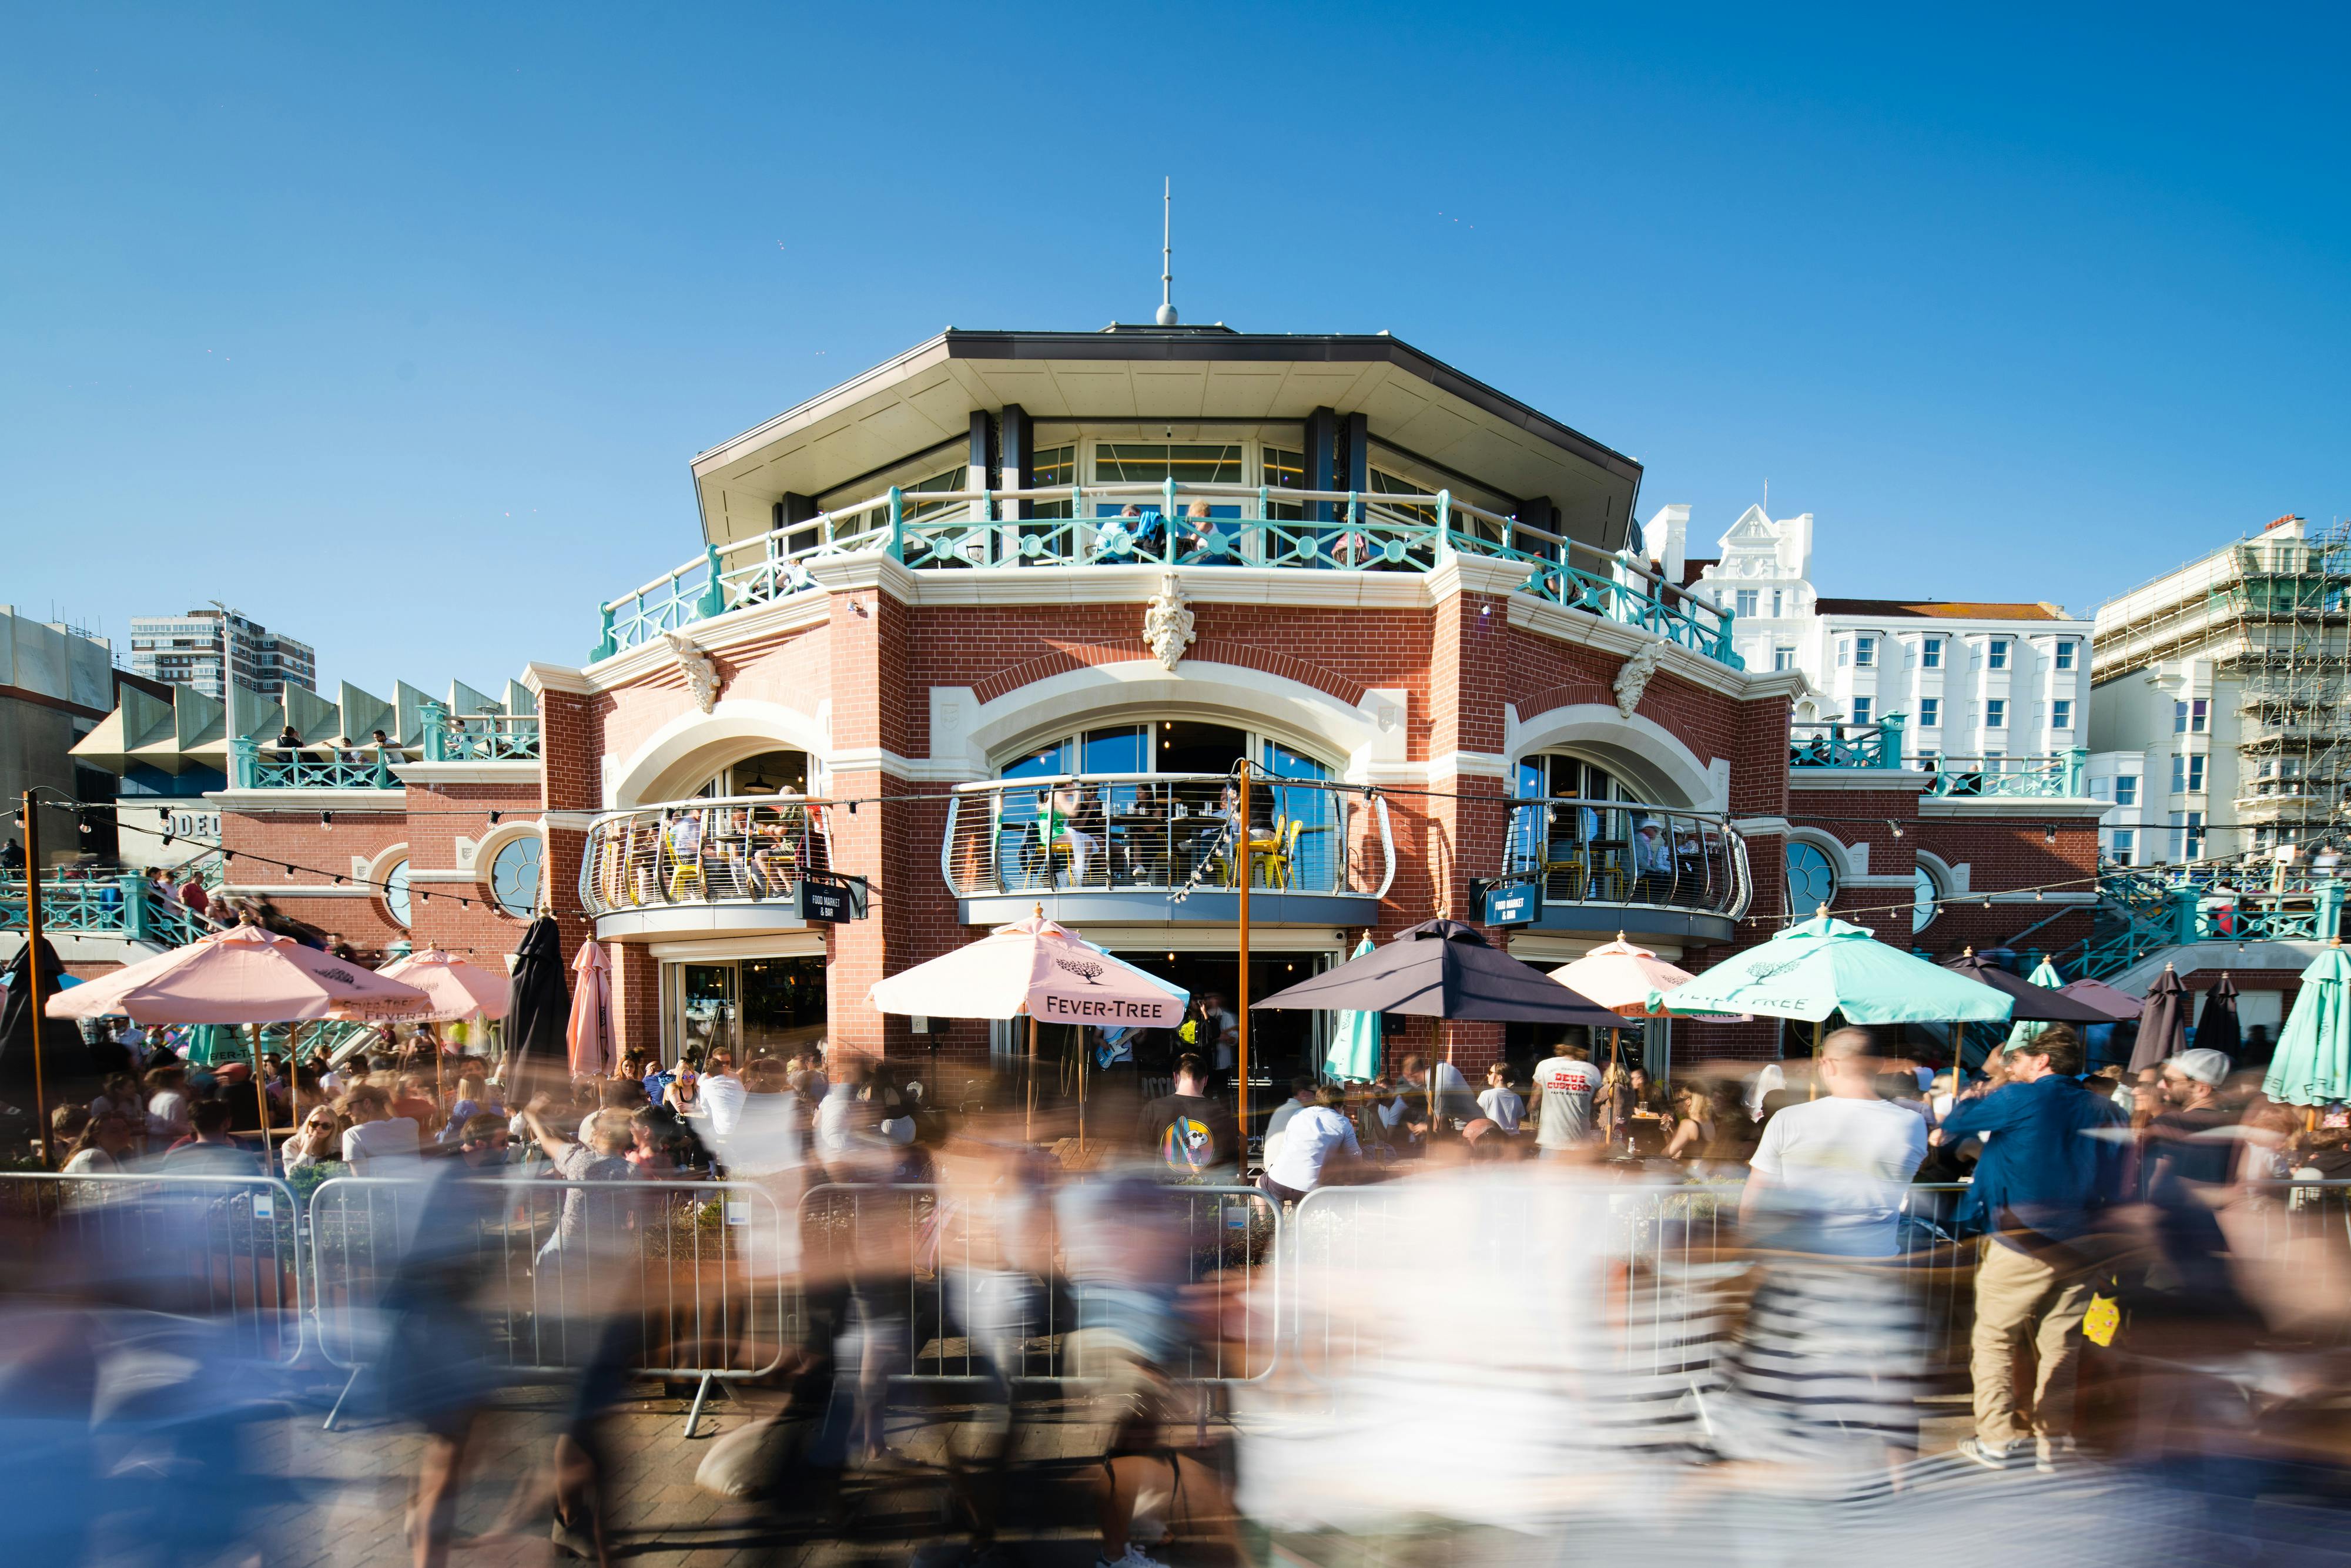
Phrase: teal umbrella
pixel 1824 966
pixel 2313 1063
pixel 2024 1029
pixel 1355 1055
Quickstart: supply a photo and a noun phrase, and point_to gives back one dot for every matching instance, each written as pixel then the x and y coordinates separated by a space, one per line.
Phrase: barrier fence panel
pixel 966 1287
pixel 219 1248
pixel 696 1275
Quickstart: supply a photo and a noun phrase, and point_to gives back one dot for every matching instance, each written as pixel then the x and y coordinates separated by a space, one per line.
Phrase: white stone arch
pixel 1354 738
pixel 1641 752
pixel 1844 865
pixel 485 858
pixel 676 759
pixel 381 866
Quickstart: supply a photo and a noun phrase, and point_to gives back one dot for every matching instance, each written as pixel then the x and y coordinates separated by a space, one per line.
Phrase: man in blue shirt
pixel 2050 1167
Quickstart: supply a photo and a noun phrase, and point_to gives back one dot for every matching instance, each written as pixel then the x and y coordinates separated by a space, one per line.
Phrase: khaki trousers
pixel 2023 1302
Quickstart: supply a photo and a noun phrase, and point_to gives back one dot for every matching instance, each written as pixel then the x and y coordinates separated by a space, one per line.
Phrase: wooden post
pixel 261 1089
pixel 1241 1040
pixel 32 972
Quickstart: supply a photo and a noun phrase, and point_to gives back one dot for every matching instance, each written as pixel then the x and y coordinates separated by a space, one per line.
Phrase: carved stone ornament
pixel 1633 675
pixel 1167 623
pixel 701 674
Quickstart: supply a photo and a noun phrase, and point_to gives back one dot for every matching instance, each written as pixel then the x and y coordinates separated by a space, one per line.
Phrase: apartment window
pixel 1995 713
pixel 2125 789
pixel 1865 653
pixel 2187 774
pixel 1861 707
pixel 1996 653
pixel 1783 658
pixel 1744 606
pixel 2187 835
pixel 2191 717
pixel 1844 651
pixel 2061 714
pixel 1930 654
pixel 2064 656
pixel 2125 851
pixel 1777 600
pixel 1931 713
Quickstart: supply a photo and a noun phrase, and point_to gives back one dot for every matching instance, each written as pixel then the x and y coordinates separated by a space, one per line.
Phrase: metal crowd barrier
pixel 974 1290
pixel 222 1248
pixel 698 1275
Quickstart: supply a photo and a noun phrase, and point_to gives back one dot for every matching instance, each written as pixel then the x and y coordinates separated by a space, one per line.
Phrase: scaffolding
pixel 2273 614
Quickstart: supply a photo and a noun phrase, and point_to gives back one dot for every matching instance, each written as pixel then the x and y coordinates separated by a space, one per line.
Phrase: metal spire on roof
pixel 1166 251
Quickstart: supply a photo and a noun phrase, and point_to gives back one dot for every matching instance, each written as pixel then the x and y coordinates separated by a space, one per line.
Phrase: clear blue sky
pixel 396 327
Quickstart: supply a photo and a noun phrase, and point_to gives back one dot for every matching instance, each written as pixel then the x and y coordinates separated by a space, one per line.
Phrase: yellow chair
pixel 1275 855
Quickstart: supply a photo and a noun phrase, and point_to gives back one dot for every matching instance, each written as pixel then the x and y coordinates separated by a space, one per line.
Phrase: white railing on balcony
pixel 737 850
pixel 1166 523
pixel 1166 832
pixel 1619 854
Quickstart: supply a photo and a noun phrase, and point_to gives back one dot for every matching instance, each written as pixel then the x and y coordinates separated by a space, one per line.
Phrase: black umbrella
pixel 61 1047
pixel 2162 1023
pixel 2217 1029
pixel 2034 1004
pixel 538 1012
pixel 1442 969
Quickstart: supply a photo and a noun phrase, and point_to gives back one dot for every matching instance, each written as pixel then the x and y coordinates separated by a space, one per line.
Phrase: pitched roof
pixel 1942 610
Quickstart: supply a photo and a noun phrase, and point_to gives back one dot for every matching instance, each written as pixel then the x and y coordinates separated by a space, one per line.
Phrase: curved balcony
pixel 1167 524
pixel 1166 848
pixel 123 904
pixel 703 865
pixel 1609 865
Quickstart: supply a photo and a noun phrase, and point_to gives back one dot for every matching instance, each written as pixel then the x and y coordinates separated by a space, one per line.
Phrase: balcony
pixel 1610 865
pixel 1164 848
pixel 120 905
pixel 1129 525
pixel 1847 745
pixel 478 736
pixel 704 865
pixel 2063 775
pixel 253 765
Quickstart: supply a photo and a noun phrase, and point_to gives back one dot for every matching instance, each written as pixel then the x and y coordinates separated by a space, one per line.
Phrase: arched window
pixel 514 877
pixel 1925 898
pixel 1811 879
pixel 395 893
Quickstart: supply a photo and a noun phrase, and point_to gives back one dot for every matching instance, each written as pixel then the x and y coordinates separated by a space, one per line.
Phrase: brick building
pixel 994 624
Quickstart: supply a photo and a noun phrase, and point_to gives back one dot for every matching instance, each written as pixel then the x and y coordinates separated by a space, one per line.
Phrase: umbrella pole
pixel 261 1091
pixel 1029 1119
pixel 440 1093
pixel 1082 1054
pixel 1814 1091
pixel 1241 1044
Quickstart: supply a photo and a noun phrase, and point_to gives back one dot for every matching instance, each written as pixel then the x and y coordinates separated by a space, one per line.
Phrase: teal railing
pixel 253 765
pixel 122 905
pixel 2062 775
pixel 1841 744
pixel 1167 524
pixel 479 737
pixel 2144 912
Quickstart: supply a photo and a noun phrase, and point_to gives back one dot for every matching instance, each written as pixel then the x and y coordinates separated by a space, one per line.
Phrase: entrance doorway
pixel 1282 1044
pixel 750 1006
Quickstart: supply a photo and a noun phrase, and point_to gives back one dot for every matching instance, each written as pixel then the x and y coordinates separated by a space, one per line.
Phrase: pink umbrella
pixel 591 1028
pixel 1034 968
pixel 243 975
pixel 1622 977
pixel 458 989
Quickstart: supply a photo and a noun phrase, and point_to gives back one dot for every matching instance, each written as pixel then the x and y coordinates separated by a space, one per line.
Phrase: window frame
pixel 1930 653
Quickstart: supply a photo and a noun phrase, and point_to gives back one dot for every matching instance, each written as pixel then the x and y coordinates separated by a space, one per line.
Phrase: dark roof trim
pixel 1347 348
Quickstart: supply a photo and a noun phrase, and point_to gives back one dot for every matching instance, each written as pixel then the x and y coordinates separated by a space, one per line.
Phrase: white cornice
pixel 1879 780
pixel 2032 807
pixel 429 773
pixel 263 802
pixel 749 624
pixel 542 679
pixel 568 821
pixel 881 759
pixel 1476 574
pixel 1468 765
pixel 1760 827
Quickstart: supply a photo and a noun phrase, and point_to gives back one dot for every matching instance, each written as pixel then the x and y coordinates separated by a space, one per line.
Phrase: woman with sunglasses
pixel 319 1138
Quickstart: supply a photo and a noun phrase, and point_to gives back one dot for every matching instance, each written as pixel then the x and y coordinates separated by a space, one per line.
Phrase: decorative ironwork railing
pixel 737 850
pixel 1167 524
pixel 125 906
pixel 1164 832
pixel 1841 744
pixel 479 737
pixel 253 765
pixel 2060 776
pixel 1620 853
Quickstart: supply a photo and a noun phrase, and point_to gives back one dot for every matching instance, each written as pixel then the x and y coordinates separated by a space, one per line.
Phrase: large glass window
pixel 748 1008
pixel 1925 897
pixel 1149 463
pixel 1281 469
pixel 395 894
pixel 1811 879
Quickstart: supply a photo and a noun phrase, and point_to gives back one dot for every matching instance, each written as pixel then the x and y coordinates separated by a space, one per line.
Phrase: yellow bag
pixel 2099 1323
pixel 1190 1033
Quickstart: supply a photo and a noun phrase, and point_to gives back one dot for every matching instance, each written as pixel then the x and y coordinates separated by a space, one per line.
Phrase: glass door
pixel 704 1020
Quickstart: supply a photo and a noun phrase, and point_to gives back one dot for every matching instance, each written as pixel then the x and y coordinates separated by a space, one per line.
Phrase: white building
pixel 1969 681
pixel 214 649
pixel 2228 676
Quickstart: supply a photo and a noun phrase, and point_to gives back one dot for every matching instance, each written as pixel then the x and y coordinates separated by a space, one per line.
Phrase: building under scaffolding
pixel 2229 678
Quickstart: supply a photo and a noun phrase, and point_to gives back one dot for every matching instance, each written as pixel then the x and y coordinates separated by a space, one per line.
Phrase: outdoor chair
pixel 1275 855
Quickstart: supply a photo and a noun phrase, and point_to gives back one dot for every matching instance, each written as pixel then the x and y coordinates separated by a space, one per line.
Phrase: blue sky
pixel 397 328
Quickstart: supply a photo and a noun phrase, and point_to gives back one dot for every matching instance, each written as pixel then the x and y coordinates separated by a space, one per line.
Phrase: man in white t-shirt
pixel 721 1094
pixel 1307 1144
pixel 1830 1174
pixel 1563 1088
